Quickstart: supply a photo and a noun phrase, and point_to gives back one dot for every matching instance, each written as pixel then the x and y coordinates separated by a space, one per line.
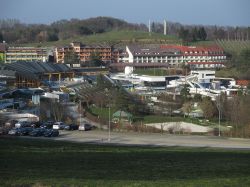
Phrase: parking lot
pixel 152 139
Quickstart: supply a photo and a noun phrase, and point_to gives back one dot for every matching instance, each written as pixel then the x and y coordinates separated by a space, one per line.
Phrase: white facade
pixel 176 56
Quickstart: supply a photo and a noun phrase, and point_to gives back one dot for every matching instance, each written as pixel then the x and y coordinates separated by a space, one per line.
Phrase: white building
pixel 176 56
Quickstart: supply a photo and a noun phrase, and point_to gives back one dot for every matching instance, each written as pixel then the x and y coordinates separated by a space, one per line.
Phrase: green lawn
pixel 28 162
pixel 104 113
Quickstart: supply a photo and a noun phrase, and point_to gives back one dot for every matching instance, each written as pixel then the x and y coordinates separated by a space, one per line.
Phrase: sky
pixel 204 12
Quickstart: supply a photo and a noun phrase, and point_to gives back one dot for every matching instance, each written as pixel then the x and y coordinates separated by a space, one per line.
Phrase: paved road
pixel 153 139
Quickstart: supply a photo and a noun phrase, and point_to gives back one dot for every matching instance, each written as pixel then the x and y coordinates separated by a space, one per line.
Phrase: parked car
pixel 24 131
pixel 20 124
pixel 36 124
pixel 51 133
pixel 71 127
pixel 59 125
pixel 37 132
pixel 47 125
pixel 13 131
pixel 4 130
pixel 85 127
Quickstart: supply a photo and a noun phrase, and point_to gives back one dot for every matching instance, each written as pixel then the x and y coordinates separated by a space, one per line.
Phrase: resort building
pixel 175 56
pixel 85 53
pixel 27 54
pixel 201 57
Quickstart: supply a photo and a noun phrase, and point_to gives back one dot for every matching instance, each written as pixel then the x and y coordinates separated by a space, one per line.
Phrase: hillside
pixel 234 46
pixel 121 37
pixel 15 32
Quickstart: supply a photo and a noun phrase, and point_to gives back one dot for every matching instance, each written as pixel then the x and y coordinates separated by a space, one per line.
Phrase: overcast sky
pixel 206 12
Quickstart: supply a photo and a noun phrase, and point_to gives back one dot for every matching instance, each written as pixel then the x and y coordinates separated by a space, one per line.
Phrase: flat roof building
pixel 30 54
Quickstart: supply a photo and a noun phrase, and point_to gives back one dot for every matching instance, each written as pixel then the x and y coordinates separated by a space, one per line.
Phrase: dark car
pixel 37 132
pixel 71 127
pixel 36 124
pixel 21 124
pixel 47 125
pixel 51 133
pixel 24 131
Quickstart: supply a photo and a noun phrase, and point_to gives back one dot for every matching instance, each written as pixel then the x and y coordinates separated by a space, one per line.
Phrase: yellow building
pixel 28 54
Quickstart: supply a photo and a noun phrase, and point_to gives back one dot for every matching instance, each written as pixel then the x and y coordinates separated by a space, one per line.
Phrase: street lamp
pixel 106 90
pixel 109 124
pixel 219 110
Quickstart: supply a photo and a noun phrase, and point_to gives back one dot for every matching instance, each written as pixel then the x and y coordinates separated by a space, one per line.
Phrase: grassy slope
pixel 114 37
pixel 233 46
pixel 40 162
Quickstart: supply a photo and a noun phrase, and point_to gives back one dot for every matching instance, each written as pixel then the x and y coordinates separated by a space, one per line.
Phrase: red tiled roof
pixel 243 82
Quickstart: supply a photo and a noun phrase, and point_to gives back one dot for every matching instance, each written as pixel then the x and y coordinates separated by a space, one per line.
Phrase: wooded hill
pixel 13 31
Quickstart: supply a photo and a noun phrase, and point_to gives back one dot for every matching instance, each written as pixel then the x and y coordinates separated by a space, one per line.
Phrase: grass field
pixel 115 37
pixel 29 162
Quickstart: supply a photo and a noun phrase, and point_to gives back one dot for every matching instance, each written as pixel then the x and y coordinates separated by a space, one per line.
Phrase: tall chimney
pixel 149 26
pixel 165 27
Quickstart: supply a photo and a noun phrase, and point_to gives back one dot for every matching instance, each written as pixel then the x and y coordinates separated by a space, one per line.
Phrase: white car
pixel 59 125
pixel 85 127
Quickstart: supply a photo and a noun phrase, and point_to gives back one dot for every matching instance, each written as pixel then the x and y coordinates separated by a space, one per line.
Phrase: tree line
pixel 13 31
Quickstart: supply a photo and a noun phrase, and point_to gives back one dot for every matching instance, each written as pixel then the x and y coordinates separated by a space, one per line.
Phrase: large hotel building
pixel 175 55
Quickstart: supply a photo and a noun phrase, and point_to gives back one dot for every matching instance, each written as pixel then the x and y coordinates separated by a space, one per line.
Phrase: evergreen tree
pixel 202 34
pixel 195 34
pixel 1 37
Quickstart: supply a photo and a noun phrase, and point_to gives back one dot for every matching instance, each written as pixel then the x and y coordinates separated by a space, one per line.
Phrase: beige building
pixel 84 53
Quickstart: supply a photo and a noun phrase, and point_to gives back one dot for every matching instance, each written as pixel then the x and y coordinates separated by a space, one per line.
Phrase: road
pixel 153 139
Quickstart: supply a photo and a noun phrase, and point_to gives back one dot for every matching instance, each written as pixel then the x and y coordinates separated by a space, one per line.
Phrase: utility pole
pixel 109 124
pixel 218 104
pixel 219 115
pixel 80 108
